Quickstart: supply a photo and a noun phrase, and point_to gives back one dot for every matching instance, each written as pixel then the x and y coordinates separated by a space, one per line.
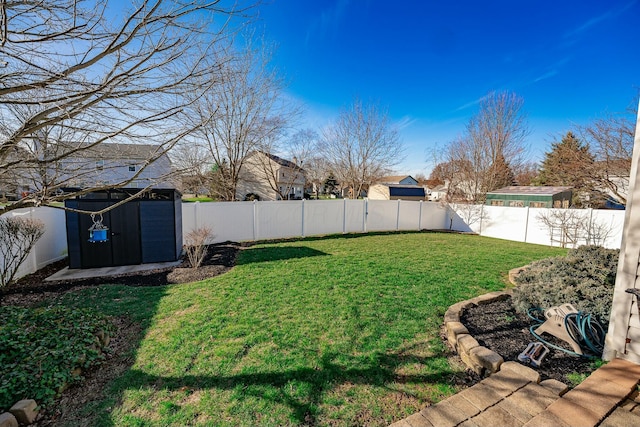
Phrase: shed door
pixel 125 234
pixel 93 255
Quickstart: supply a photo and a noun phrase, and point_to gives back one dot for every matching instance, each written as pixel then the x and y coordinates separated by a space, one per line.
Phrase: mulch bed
pixel 499 327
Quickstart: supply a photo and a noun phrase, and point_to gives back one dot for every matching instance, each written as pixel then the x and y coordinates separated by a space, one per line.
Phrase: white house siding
pixel 623 337
pixel 110 167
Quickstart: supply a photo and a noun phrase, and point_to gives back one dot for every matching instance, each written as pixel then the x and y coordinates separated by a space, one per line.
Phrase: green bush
pixel 585 278
pixel 40 348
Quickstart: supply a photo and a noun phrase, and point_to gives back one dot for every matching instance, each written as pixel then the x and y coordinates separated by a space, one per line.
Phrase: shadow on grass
pixel 271 386
pixel 253 254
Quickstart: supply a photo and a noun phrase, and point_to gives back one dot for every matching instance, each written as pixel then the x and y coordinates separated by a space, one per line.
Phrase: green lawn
pixel 336 331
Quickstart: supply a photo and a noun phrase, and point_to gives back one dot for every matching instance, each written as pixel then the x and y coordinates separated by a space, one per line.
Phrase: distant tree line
pixel 594 159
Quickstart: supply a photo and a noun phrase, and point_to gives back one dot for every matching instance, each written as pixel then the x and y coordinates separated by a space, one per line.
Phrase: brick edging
pixel 479 359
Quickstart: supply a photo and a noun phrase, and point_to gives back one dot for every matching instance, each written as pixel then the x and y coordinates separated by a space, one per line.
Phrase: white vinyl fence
pixel 251 221
pixel 524 224
pixel 52 246
pixel 242 221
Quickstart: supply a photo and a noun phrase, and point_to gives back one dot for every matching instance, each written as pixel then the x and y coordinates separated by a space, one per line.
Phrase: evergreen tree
pixel 570 163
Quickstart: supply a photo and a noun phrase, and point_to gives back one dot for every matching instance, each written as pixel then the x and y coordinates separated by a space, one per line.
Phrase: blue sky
pixel 430 62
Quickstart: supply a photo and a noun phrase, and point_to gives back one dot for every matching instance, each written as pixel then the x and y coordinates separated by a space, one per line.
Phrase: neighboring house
pixel 270 178
pixel 437 193
pixel 535 197
pixel 18 176
pixel 436 189
pixel 396 192
pixel 398 180
pixel 115 164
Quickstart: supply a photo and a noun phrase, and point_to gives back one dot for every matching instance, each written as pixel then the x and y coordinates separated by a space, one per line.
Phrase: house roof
pixel 118 151
pixel 129 151
pixel 281 161
pixel 394 179
pixel 531 190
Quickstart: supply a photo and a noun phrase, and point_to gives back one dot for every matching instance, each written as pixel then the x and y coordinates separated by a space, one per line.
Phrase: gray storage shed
pixel 147 229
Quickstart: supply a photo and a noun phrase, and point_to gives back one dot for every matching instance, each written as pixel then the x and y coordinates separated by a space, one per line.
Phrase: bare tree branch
pixel 361 146
pixel 76 74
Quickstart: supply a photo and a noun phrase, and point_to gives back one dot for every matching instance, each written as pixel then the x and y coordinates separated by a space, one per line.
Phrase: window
pixel 99 165
pixel 497 203
pixel 516 203
pixel 132 168
pixel 538 204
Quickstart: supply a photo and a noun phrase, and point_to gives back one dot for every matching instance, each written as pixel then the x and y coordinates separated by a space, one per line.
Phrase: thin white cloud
pixel 612 13
pixel 470 104
pixel 328 21
pixel 545 76
pixel 405 122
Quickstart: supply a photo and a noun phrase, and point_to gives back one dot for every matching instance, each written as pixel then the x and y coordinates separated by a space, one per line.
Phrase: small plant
pixel 40 348
pixel 196 245
pixel 585 278
pixel 576 378
pixel 17 238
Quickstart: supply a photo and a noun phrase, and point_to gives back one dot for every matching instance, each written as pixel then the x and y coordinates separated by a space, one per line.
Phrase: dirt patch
pixel 500 328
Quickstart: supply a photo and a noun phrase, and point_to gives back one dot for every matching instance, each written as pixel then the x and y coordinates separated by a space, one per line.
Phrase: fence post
pixel 398 216
pixel 255 220
pixel 344 216
pixel 302 217
pixel 196 208
pixel 526 225
pixel 420 217
pixel 364 215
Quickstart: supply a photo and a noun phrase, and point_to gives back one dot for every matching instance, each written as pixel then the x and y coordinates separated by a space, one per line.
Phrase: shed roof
pixel 406 190
pixel 531 190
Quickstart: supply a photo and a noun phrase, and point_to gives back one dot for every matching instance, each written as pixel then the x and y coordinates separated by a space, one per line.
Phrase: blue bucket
pixel 96 236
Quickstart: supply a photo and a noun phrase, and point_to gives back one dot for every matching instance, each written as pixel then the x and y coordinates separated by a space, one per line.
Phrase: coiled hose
pixel 582 328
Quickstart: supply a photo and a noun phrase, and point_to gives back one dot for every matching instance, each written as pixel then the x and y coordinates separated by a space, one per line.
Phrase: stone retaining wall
pixel 479 359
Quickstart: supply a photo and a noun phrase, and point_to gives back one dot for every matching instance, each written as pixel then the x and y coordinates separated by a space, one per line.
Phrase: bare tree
pixel 75 74
pixel 193 167
pixel 493 145
pixel 361 146
pixel 572 227
pixel 242 114
pixel 611 141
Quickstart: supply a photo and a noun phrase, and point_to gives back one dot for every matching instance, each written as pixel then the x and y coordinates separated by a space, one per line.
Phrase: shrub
pixel 40 348
pixel 196 245
pixel 585 278
pixel 17 238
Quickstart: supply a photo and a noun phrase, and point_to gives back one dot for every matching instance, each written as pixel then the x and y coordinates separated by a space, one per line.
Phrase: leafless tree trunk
pixel 76 74
pixel 493 144
pixel 242 114
pixel 361 146
pixel 611 139
pixel 193 167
